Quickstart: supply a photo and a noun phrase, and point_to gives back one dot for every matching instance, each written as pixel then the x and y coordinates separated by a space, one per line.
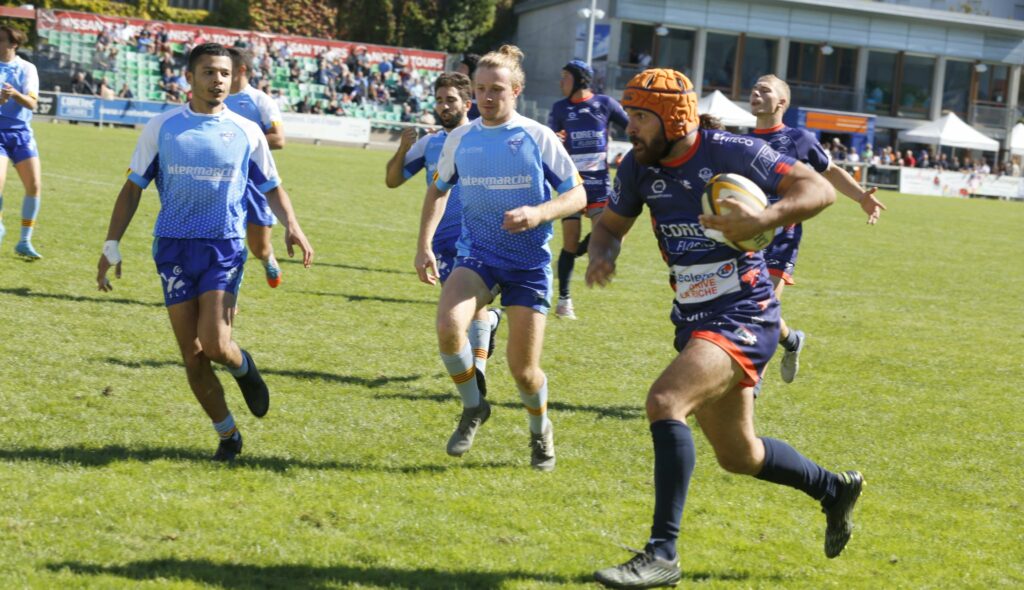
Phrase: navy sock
pixel 784 465
pixel 674 459
pixel 566 261
pixel 584 244
pixel 789 342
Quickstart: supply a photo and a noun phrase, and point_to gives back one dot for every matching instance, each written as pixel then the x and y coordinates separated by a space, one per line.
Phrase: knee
pixel 664 403
pixel 196 365
pixel 739 461
pixel 216 349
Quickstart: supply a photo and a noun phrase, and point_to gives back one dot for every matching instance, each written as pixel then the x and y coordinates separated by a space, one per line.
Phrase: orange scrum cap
pixel 669 95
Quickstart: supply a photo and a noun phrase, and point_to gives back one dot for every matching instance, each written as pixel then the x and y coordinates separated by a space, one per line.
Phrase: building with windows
pixel 898 63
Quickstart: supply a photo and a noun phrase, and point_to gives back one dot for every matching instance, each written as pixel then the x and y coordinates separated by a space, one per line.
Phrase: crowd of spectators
pixel 353 81
pixel 922 158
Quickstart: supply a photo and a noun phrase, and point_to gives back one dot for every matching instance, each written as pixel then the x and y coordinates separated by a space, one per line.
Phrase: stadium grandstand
pixel 144 60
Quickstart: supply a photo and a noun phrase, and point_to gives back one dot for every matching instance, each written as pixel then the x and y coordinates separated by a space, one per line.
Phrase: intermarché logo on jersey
pixel 209 173
pixel 515 181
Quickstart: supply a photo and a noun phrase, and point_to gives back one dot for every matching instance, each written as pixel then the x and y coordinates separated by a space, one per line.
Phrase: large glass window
pixel 880 82
pixel 758 60
pixel 992 84
pixel 808 64
pixel 916 86
pixel 720 62
pixel 956 87
pixel 675 51
pixel 637 42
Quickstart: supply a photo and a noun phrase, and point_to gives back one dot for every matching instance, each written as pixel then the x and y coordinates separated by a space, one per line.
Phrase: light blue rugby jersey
pixel 201 164
pixel 23 76
pixel 255 105
pixel 424 154
pixel 499 169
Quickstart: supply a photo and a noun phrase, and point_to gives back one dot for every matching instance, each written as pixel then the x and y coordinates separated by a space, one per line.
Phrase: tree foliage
pixel 310 18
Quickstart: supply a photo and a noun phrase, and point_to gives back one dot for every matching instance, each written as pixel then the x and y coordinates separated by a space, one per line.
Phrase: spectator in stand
pixel 144 42
pixel 983 167
pixel 868 155
pixel 166 78
pixel 174 94
pixel 281 100
pixel 123 33
pixel 294 72
pixel 162 38
pixel 967 165
pixel 79 85
pixel 400 63
pixel 363 60
pixel 103 40
pixel 126 92
pixel 943 162
pixel 924 161
pixel 105 91
pixel 909 161
pixel 384 67
pixel 303 105
pixel 852 156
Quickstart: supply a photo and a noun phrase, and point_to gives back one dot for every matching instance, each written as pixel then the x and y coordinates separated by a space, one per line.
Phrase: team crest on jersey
pixel 572 115
pixel 705 174
pixel 515 143
pixel 227 136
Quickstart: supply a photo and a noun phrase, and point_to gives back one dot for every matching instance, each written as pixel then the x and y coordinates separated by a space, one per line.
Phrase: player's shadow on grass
pixel 369 383
pixel 617 412
pixel 106 455
pixel 361 298
pixel 244 576
pixel 26 292
pixel 390 271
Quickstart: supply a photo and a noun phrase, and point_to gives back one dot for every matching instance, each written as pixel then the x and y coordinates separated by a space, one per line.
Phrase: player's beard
pixel 450 120
pixel 651 152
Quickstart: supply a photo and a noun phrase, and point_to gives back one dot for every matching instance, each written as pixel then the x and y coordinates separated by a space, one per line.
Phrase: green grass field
pixel 912 374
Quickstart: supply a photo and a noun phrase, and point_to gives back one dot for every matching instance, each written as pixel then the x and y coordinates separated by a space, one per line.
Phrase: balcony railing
pixel 988 115
pixel 823 97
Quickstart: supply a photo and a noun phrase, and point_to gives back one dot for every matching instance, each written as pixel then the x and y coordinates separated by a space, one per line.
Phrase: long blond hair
pixel 507 56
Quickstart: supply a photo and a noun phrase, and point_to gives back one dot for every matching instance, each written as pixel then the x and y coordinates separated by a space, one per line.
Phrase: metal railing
pixel 997 117
pixel 823 97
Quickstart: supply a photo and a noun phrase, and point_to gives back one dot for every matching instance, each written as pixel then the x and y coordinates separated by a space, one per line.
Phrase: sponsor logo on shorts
pixel 172 283
pixel 745 336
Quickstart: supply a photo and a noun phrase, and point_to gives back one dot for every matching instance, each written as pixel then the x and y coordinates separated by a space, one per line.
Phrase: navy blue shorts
pixel 748 331
pixel 257 207
pixel 18 145
pixel 780 255
pixel 190 267
pixel 528 288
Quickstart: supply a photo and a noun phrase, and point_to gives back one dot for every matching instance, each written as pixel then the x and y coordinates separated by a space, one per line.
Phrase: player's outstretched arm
pixel 846 184
pixel 605 244
pixel 521 219
pixel 124 210
pixel 395 175
pixel 281 205
pixel 434 204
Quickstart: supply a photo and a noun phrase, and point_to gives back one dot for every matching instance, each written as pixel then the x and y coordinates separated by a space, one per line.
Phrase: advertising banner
pixel 944 183
pixel 85 22
pixel 96 110
pixel 327 128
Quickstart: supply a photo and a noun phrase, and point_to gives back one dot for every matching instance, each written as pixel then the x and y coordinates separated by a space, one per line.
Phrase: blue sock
pixel 784 465
pixel 226 428
pixel 241 371
pixel 29 211
pixel 674 459
pixel 537 407
pixel 790 342
pixel 463 372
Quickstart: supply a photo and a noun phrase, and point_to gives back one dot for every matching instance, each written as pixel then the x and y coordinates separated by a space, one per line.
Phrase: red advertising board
pixel 85 22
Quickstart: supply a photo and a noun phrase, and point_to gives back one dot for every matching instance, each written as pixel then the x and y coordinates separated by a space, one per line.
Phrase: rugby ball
pixel 742 189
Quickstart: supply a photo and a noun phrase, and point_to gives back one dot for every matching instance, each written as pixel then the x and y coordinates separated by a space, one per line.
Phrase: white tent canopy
pixel 728 113
pixel 1017 140
pixel 952 131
